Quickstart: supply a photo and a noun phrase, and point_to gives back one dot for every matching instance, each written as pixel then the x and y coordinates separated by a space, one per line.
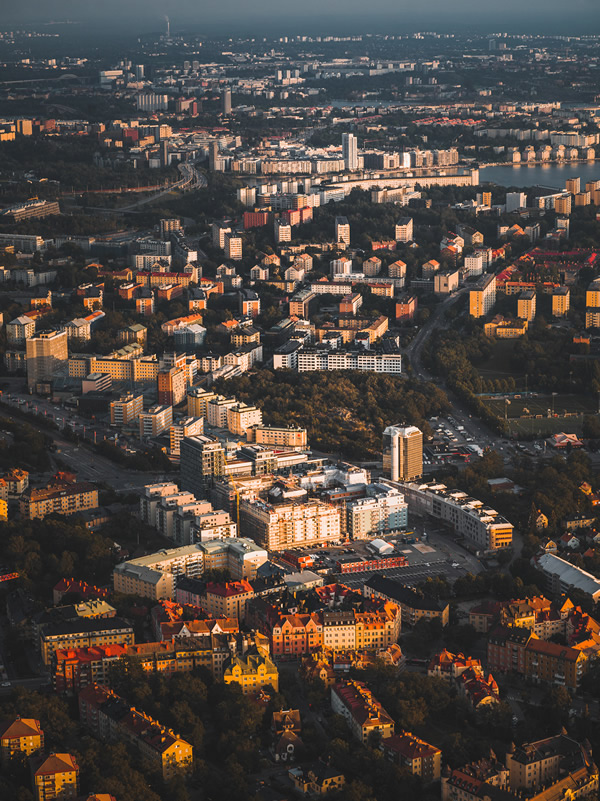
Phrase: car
pixel 455 564
pixel 6 684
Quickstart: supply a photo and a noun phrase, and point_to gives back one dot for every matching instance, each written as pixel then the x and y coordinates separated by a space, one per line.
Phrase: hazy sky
pixel 557 16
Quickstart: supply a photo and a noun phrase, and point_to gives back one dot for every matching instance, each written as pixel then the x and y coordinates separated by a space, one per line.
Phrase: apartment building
pixel 241 416
pixel 404 230
pixel 109 717
pixel 155 575
pixel 479 523
pixel 550 663
pixel 301 303
pixel 561 301
pixel 228 599
pixel 46 355
pixel 382 511
pixel 202 460
pixel 296 635
pixel 406 308
pixel 413 605
pixel 216 411
pixel 526 305
pixel 474 264
pixel 370 361
pixel 233 247
pixel 541 763
pixel 289 525
pixel 420 758
pixel 278 436
pixel 126 410
pixel 361 710
pixel 186 427
pixel 483 297
pixel 61 497
pixel 342 231
pixel 252 671
pixel 172 386
pixel 197 401
pixel 83 633
pixel 20 736
pixel 156 420
pixel 19 330
pixel 54 777
pixel 349 304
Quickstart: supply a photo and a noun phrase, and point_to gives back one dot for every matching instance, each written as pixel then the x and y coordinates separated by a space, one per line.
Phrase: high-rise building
pixel 350 151
pixel 483 297
pixel 526 305
pixel 404 229
pixel 227 101
pixel 515 201
pixel 155 421
pixel 188 427
pixel 342 231
pixel 202 459
pixel 172 385
pixel 45 355
pixel 403 452
pixel 233 247
pixel 573 185
pixel 126 409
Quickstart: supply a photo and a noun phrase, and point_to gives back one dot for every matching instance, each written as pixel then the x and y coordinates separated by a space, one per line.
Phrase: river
pixel 550 175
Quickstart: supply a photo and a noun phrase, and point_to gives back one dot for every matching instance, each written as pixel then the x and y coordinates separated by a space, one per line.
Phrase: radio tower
pixel 168 27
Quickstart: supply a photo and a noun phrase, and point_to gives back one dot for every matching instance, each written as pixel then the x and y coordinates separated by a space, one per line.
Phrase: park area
pixel 535 415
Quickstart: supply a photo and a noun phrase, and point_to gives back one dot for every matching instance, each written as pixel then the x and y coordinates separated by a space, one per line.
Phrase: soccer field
pixel 532 415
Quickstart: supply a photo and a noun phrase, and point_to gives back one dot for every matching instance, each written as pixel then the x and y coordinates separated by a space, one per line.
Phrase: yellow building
pixel 109 717
pixel 592 295
pixel 127 408
pixel 21 735
pixel 505 329
pixel 561 301
pixel 526 305
pixel 284 436
pixel 483 297
pixel 55 776
pixel 197 401
pixel 251 671
pixel 3 510
pixel 61 497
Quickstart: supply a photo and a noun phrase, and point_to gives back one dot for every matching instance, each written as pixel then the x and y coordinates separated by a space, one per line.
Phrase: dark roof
pixel 403 594
pixel 86 625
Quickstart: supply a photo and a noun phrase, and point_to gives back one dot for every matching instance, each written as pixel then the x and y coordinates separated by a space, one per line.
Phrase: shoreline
pixel 538 163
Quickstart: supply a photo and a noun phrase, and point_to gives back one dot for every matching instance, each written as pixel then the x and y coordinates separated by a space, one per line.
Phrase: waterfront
pixel 550 175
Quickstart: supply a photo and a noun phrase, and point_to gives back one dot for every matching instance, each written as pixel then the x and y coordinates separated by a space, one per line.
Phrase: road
pixel 191 179
pixel 437 320
pixel 83 460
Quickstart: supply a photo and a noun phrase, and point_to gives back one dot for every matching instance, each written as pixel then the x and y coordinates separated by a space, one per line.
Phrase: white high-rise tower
pixel 350 151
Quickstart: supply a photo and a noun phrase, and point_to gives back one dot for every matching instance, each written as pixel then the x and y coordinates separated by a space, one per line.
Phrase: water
pixel 550 175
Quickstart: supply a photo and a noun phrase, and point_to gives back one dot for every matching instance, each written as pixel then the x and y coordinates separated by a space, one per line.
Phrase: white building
pixel 350 151
pixel 382 511
pixel 474 264
pixel 404 230
pixel 310 359
pixel 480 524
pixel 233 247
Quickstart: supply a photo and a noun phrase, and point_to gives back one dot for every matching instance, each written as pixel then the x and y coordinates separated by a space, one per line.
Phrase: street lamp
pixel 554 394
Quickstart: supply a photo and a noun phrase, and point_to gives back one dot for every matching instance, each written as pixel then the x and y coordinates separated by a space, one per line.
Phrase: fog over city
pixel 579 16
